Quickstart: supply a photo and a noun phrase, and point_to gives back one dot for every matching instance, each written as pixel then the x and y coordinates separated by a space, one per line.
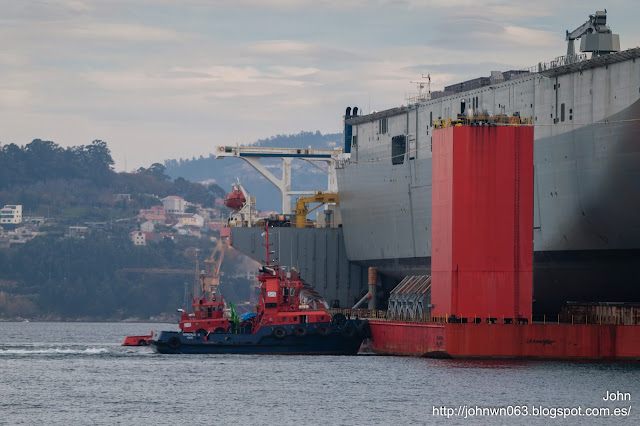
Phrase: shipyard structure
pixel 585 113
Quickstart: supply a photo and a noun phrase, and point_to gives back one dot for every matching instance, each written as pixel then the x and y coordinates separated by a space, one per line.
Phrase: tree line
pixel 53 277
pixel 42 160
pixel 70 278
pixel 79 182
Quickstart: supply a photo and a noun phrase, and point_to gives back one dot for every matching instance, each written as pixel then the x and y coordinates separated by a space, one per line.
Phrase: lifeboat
pixel 235 199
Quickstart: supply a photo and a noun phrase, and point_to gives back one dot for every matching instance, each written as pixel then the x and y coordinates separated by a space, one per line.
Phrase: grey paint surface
pixel 587 167
pixel 317 253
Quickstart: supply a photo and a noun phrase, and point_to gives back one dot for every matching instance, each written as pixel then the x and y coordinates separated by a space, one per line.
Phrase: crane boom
pixel 598 37
pixel 302 205
pixel 158 271
pixel 212 268
pixel 596 23
pixel 211 277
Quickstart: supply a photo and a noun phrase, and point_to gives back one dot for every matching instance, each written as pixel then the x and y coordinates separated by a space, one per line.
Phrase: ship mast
pixel 421 85
pixel 265 234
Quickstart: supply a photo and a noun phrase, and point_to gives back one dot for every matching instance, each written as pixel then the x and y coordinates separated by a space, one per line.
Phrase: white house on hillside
pixel 192 220
pixel 11 214
pixel 174 204
pixel 138 238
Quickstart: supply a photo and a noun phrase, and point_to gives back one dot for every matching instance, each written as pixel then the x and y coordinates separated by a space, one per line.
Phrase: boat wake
pixel 52 351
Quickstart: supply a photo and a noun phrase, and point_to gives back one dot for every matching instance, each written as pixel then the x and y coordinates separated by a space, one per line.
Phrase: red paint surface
pixel 482 255
pixel 225 233
pixel 137 340
pixel 482 223
pixel 235 200
pixel 551 341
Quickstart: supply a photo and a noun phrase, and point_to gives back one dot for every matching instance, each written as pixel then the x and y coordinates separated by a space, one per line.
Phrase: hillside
pixel 79 183
pixel 225 172
pixel 58 275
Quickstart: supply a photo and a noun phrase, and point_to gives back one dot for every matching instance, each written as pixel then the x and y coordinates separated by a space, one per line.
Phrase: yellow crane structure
pixel 212 268
pixel 211 273
pixel 166 271
pixel 302 205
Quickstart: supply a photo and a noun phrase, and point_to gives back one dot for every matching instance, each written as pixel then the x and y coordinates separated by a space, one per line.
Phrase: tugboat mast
pixel 266 244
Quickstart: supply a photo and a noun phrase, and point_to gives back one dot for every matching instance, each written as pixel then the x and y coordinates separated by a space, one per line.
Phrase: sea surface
pixel 78 374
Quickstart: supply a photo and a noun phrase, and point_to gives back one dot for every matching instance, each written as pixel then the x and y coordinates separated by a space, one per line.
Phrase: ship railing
pixel 417 99
pixel 557 62
pixel 585 319
pixel 562 318
pixel 478 120
pixel 383 315
pixel 341 163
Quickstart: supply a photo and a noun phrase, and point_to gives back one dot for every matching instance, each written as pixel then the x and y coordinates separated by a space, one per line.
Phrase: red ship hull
pixel 533 341
pixel 482 236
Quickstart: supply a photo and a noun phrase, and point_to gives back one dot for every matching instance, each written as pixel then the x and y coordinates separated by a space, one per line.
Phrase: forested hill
pixel 43 160
pixel 226 171
pixel 78 182
pixel 55 275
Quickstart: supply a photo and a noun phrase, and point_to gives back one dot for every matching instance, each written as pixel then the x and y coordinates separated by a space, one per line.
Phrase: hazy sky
pixel 159 79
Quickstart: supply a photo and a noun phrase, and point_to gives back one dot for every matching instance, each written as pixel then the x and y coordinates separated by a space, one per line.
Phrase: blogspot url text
pixel 465 411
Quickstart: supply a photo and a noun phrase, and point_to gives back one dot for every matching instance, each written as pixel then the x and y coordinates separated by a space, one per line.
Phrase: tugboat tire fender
pixel 365 330
pixel 279 332
pixel 349 331
pixel 300 331
pixel 142 342
pixel 219 330
pixel 323 330
pixel 174 342
pixel 338 319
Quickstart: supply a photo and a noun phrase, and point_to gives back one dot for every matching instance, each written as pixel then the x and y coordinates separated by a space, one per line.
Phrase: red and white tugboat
pixel 291 318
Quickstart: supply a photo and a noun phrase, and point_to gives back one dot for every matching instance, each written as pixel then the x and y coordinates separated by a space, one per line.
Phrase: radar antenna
pixel 421 85
pixel 428 77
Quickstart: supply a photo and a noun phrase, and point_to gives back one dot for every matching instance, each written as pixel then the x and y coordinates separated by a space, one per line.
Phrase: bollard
pixel 372 280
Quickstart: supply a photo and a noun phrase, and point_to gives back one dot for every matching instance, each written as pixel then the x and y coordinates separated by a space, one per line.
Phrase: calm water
pixel 77 373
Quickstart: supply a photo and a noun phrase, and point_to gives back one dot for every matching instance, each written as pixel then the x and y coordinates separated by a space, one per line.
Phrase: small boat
pixel 137 340
pixel 291 318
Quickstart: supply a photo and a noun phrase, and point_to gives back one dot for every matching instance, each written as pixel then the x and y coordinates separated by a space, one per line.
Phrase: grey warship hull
pixel 587 178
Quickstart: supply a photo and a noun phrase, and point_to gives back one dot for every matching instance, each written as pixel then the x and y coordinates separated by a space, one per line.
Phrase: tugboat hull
pixel 267 340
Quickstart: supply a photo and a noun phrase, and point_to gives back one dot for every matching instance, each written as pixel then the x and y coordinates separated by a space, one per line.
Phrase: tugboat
pixel 291 318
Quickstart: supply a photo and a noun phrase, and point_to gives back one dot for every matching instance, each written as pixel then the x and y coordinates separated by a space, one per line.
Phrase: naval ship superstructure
pixel 586 115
